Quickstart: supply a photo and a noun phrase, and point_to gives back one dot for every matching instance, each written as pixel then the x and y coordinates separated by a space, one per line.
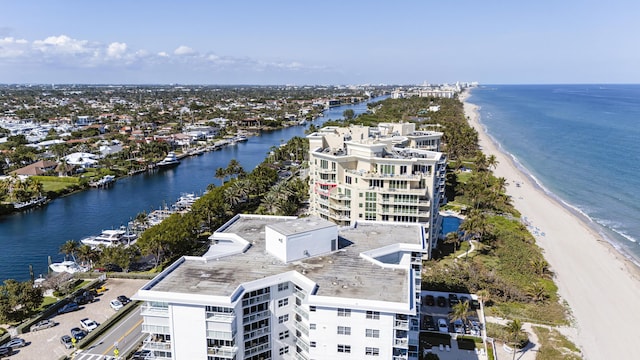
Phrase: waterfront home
pixel 82 159
pixel 37 168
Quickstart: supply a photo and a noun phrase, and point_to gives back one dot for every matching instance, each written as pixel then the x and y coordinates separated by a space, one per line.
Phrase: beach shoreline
pixel 594 278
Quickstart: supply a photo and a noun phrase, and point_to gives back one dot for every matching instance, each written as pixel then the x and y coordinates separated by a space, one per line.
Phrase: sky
pixel 328 42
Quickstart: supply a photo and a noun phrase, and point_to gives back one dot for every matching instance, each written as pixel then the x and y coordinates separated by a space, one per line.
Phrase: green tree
pixel 18 300
pixel 460 311
pixel 514 330
pixel 87 255
pixel 348 114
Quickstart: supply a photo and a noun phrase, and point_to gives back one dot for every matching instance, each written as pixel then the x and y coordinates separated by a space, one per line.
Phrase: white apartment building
pixel 291 288
pixel 386 173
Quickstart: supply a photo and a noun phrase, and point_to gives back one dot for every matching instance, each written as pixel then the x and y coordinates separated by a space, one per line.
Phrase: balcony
pixel 338 196
pixel 147 310
pixel 257 333
pixel 402 343
pixel 339 217
pixel 220 317
pixel 255 317
pixel 401 325
pixel 302 312
pixel 150 344
pixel 303 329
pixel 222 351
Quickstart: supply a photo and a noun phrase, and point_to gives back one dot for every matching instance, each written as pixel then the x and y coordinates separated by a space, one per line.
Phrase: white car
pixel 116 305
pixel 88 324
pixel 443 326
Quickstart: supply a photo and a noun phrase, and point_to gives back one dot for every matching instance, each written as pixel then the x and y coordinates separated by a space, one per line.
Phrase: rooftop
pixel 343 273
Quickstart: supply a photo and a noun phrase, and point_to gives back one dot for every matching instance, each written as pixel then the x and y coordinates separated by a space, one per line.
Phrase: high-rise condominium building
pixel 291 288
pixel 386 173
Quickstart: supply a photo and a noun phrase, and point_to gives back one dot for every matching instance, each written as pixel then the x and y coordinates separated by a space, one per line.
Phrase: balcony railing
pixel 401 324
pixel 222 351
pixel 254 317
pixel 146 310
pixel 220 317
pixel 256 333
pixel 156 345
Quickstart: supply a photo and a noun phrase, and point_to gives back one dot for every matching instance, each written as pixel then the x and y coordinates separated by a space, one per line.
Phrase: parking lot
pixel 45 344
pixel 436 308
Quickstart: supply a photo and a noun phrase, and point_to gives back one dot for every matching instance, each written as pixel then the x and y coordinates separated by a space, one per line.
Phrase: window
pixel 283 302
pixel 312 326
pixel 283 286
pixel 371 351
pixel 373 333
pixel 312 344
pixel 344 312
pixel 284 350
pixel 312 308
pixel 283 335
pixel 284 318
pixel 344 330
pixel 344 348
pixel 347 179
pixel 373 315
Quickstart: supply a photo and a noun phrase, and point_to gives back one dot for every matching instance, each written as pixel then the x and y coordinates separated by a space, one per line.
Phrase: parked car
pixel 474 328
pixel 15 343
pixel 429 300
pixel 429 324
pixel 443 326
pixel 72 306
pixel 84 298
pixel 101 289
pixel 43 324
pixel 458 326
pixel 464 299
pixel 142 355
pixel 116 305
pixel 453 299
pixel 6 351
pixel 66 341
pixel 88 324
pixel 78 333
pixel 474 304
pixel 123 299
pixel 442 302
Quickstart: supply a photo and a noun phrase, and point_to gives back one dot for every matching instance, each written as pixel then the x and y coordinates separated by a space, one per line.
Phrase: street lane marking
pixel 123 336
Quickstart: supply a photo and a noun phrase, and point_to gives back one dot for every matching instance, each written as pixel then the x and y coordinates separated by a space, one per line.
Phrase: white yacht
pixel 110 238
pixel 170 160
pixel 67 266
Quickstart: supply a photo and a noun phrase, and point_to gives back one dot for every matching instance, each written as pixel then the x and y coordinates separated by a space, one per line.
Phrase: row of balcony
pixel 255 317
pixel 220 317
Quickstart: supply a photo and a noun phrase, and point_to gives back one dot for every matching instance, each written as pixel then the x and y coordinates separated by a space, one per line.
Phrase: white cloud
pixel 116 50
pixel 184 50
pixel 62 51
pixel 62 45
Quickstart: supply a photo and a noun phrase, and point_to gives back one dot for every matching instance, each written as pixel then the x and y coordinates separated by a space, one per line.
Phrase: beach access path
pixel 600 286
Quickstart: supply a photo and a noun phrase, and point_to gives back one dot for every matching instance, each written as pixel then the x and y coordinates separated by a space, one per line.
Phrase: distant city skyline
pixel 324 43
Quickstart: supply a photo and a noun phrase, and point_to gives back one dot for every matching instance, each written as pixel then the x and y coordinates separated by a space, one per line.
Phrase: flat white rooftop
pixel 343 273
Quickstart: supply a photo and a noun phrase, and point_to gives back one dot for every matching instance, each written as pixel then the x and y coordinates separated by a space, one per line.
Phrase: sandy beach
pixel 600 286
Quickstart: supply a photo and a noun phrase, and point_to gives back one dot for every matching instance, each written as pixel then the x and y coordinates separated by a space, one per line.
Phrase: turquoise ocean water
pixel 580 143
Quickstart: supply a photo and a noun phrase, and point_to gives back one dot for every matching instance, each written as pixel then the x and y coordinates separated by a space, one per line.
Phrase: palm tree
pixel 69 248
pixel 514 329
pixel 460 311
pixel 453 238
pixel 87 254
pixel 221 173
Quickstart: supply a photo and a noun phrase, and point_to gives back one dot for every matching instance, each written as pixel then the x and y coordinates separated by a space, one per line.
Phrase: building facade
pixel 291 288
pixel 386 173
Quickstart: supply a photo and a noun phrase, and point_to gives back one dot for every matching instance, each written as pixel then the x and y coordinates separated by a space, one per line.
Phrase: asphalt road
pixel 124 336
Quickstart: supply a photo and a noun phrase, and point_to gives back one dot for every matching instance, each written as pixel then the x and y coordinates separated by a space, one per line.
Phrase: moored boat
pixel 67 266
pixel 169 161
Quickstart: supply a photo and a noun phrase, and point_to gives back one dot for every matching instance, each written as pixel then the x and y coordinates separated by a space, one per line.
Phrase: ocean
pixel 580 143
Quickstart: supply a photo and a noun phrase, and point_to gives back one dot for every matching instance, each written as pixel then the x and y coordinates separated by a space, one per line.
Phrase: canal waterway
pixel 29 238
